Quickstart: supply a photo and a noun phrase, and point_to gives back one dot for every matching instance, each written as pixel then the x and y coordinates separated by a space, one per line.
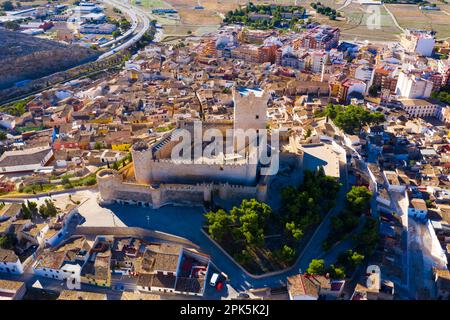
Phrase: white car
pixel 214 279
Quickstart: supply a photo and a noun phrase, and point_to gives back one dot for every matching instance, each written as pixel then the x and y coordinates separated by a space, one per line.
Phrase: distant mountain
pixel 26 57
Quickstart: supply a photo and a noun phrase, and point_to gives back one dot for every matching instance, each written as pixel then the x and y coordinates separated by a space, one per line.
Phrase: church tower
pixel 326 69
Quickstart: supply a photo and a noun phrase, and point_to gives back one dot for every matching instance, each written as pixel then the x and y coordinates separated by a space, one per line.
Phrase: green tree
pixel 352 118
pixel 48 209
pixel 29 209
pixel 98 145
pixel 251 216
pixel 336 272
pixel 7 6
pixel 316 267
pixel 26 212
pixel 350 259
pixel 65 180
pixel 244 257
pixel 219 223
pixel 358 199
pixel 116 34
pixel 11 25
pixel 90 181
pixel 7 241
pixel 33 207
pixel 367 239
pixel 287 254
pixel 295 231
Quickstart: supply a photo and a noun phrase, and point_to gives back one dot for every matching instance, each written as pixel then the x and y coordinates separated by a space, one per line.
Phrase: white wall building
pixel 417 209
pixel 9 262
pixel 25 160
pixel 12 290
pixel 412 87
pixel 418 41
pixel 421 108
pixel 7 121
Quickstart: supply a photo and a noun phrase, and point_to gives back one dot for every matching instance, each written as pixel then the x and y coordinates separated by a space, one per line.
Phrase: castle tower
pixel 326 69
pixel 108 181
pixel 250 108
pixel 142 159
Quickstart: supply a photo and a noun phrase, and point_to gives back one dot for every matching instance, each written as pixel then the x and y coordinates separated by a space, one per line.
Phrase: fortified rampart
pixel 112 189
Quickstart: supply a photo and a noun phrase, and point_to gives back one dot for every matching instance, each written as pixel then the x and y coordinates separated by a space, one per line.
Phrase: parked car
pixel 243 295
pixel 214 279
pixel 219 286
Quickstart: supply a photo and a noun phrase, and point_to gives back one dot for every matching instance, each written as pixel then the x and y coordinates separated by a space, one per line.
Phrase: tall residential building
pixel 412 86
pixel 321 37
pixel 385 77
pixel 418 41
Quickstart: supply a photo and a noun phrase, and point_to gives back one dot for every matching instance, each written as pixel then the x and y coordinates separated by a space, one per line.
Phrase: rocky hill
pixel 26 57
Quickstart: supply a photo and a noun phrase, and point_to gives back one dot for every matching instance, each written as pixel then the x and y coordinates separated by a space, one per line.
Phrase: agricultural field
pixel 355 20
pixel 354 23
pixel 410 16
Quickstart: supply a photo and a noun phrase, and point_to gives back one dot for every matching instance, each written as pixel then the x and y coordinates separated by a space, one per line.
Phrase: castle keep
pixel 159 179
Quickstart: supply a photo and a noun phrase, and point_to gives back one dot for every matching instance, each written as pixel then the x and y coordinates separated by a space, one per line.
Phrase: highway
pixel 140 24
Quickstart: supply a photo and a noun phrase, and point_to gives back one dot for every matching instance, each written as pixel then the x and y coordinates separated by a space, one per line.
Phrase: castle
pixel 228 174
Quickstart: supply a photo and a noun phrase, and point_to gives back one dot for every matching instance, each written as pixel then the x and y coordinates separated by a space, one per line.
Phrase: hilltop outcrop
pixel 26 57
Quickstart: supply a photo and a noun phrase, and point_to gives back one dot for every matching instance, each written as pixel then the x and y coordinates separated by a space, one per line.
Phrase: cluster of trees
pixel 443 95
pixel 242 230
pixel 7 241
pixel 40 187
pixel 48 209
pixel 346 263
pixel 349 260
pixel 357 203
pixel 367 239
pixel 30 209
pixel 7 6
pixel 89 180
pixel 17 108
pixel 317 267
pixel 327 11
pixel 120 163
pixel 98 145
pixel 241 15
pixel 147 38
pixel 352 118
pixel 165 128
pixel 244 227
pixel 303 206
pixel 11 25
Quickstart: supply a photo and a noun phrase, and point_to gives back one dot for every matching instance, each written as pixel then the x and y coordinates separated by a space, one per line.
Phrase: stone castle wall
pixel 113 189
pixel 148 171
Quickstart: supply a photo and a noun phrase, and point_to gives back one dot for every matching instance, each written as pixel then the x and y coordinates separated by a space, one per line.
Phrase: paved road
pixel 140 20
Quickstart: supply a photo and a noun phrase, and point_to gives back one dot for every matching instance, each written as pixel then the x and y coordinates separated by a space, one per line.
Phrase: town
pixel 349 200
